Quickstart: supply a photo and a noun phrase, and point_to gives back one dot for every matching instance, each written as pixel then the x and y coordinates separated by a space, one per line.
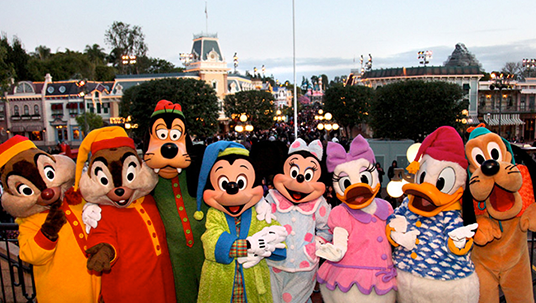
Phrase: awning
pixel 503 119
pixel 17 128
pixel 473 120
pixel 34 128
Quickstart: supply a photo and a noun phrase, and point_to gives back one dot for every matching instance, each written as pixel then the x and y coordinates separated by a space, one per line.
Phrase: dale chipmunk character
pixel 359 267
pixel 235 242
pixel 168 155
pixel 504 207
pixel 298 204
pixel 52 237
pixel 128 245
pixel 432 253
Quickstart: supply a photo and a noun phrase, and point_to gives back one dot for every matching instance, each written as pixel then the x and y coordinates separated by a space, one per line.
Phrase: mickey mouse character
pixel 297 202
pixel 432 246
pixel 51 237
pixel 128 246
pixel 235 242
pixel 168 155
pixel 504 207
pixel 359 267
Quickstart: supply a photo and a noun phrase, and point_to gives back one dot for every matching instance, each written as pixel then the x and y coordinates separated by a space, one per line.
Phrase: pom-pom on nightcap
pixel 14 146
pixel 444 144
pixel 212 152
pixel 106 137
pixel 165 106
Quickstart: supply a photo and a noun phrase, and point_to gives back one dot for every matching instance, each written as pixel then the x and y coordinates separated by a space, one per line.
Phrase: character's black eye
pixel 294 172
pixel 50 174
pixel 175 134
pixel 99 173
pixel 366 177
pixel 25 190
pixel 223 182
pixel 242 182
pixel 421 177
pixel 344 183
pixel 309 174
pixel 445 181
pixel 478 156
pixel 131 171
pixel 162 134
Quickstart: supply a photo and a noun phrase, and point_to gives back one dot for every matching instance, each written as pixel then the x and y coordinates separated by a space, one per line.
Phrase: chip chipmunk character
pixel 504 206
pixel 52 237
pixel 432 245
pixel 128 246
pixel 358 266
pixel 169 155
pixel 297 203
pixel 235 241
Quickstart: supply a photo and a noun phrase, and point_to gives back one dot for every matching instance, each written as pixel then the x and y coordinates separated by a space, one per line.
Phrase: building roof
pixel 422 71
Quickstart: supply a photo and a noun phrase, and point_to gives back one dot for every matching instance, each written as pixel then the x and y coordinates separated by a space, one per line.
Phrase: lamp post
pixel 424 57
pixel 235 62
pixel 324 121
pixel 500 81
pixel 128 60
pixel 529 63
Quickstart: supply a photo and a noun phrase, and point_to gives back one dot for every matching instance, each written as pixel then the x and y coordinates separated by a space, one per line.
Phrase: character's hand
pixel 91 216
pixel 407 239
pixel 249 261
pixel 262 242
pixel 528 219
pixel 100 257
pixel 54 221
pixel 460 235
pixel 279 235
pixel 264 211
pixel 487 231
pixel 399 223
pixel 336 251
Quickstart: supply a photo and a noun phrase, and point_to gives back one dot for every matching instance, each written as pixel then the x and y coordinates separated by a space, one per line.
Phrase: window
pixel 36 136
pixel 26 110
pixel 36 110
pixel 523 104
pixel 23 88
pixel 16 110
pixel 77 134
pixel 531 102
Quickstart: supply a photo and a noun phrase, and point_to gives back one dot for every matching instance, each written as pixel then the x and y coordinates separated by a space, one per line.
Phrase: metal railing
pixel 16 277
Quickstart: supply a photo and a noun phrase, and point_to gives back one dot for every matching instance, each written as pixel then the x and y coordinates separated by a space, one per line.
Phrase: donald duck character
pixel 359 267
pixel 235 242
pixel 505 209
pixel 299 206
pixel 432 245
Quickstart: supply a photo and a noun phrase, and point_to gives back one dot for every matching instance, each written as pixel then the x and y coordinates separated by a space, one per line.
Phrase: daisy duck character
pixel 235 242
pixel 432 253
pixel 299 206
pixel 359 267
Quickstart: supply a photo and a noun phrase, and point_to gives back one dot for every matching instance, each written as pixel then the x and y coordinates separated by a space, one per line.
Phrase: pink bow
pixel 359 149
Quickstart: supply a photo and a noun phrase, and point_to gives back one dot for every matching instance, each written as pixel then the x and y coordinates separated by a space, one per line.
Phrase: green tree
pixel 257 105
pixel 42 53
pixel 17 57
pixel 95 54
pixel 69 65
pixel 89 121
pixel 7 72
pixel 125 39
pixel 198 100
pixel 349 105
pixel 158 66
pixel 412 109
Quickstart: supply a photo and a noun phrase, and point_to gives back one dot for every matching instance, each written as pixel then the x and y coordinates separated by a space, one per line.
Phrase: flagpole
pixel 206 15
pixel 294 70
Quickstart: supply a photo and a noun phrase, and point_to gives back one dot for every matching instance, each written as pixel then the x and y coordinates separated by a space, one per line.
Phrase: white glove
pixel 260 243
pixel 249 261
pixel 264 211
pixel 91 215
pixel 460 235
pixel 399 223
pixel 336 251
pixel 280 234
pixel 406 240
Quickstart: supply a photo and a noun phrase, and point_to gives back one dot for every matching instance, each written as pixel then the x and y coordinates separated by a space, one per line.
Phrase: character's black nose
pixel 490 167
pixel 169 150
pixel 119 192
pixel 231 188
pixel 300 178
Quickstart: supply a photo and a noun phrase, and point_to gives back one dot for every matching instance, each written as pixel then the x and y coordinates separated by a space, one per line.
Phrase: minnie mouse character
pixel 299 206
pixel 235 242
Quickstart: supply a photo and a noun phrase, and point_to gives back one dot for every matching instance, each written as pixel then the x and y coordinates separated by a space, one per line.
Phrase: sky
pixel 330 36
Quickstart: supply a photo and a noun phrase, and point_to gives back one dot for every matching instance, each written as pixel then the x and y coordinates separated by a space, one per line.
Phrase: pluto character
pixel 235 242
pixel 432 253
pixel 504 207
pixel 359 267
pixel 52 237
pixel 128 245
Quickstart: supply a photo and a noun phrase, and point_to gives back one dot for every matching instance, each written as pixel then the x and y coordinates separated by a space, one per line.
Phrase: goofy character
pixel 235 242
